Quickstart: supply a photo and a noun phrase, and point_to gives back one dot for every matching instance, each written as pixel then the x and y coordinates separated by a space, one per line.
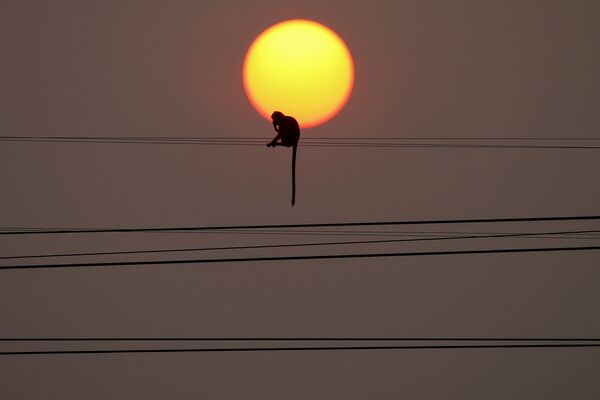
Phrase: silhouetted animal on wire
pixel 288 135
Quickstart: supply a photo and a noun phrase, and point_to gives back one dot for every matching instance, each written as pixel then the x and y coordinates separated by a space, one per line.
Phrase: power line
pixel 261 140
pixel 286 232
pixel 312 348
pixel 301 258
pixel 306 137
pixel 439 146
pixel 297 338
pixel 280 232
pixel 297 232
pixel 311 142
pixel 351 233
pixel 273 246
pixel 328 232
pixel 322 225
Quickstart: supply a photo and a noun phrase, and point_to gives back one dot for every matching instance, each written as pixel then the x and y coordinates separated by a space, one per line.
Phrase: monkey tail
pixel 294 175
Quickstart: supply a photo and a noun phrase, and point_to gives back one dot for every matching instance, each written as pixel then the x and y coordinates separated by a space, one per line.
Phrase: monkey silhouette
pixel 288 135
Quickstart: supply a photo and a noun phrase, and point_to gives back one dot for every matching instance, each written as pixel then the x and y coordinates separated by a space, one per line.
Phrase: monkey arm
pixel 273 142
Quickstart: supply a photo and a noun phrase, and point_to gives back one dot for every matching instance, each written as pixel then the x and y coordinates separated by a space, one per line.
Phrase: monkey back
pixel 289 131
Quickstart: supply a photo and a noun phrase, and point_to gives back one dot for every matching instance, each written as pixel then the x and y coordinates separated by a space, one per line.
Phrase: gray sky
pixel 423 69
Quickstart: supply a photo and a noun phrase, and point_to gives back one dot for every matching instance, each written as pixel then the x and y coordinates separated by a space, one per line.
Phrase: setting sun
pixel 301 68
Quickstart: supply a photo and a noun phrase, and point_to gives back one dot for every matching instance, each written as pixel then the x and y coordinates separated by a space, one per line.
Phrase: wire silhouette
pixel 315 225
pixel 298 338
pixel 286 245
pixel 304 348
pixel 360 142
pixel 301 258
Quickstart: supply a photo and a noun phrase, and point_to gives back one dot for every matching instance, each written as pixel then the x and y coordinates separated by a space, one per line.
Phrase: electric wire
pixel 314 225
pixel 287 245
pixel 305 348
pixel 300 258
pixel 299 338
pixel 350 142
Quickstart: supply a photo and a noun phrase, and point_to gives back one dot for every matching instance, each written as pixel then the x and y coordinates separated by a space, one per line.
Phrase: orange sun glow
pixel 301 68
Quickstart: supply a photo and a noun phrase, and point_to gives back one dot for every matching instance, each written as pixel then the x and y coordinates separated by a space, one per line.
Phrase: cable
pixel 507 235
pixel 303 232
pixel 314 142
pixel 439 146
pixel 336 224
pixel 295 338
pixel 527 138
pixel 300 258
pixel 315 348
pixel 278 232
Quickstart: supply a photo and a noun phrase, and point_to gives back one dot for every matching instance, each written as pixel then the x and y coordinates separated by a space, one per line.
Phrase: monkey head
pixel 277 116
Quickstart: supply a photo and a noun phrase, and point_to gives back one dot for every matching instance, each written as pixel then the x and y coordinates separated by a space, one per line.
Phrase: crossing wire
pixel 298 338
pixel 273 246
pixel 314 225
pixel 305 348
pixel 301 258
pixel 349 142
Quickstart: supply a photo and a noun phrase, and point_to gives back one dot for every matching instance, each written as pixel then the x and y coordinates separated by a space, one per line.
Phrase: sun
pixel 301 68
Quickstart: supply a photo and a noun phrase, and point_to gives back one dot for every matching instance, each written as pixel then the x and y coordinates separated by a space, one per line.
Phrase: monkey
pixel 288 135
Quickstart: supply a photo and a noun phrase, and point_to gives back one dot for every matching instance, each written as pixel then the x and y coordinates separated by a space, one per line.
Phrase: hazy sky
pixel 423 69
